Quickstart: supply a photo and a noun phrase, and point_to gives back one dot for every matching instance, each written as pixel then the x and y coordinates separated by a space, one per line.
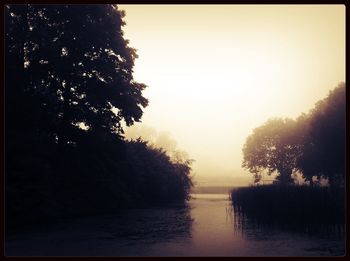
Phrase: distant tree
pixel 69 67
pixel 324 145
pixel 273 147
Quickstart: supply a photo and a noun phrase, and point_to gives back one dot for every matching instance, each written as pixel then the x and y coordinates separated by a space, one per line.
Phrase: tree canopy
pixel 68 88
pixel 324 144
pixel 273 147
pixel 69 67
pixel 313 144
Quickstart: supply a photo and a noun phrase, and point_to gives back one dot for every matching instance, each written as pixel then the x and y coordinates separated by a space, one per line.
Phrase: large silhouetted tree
pixel 71 66
pixel 273 147
pixel 68 87
pixel 324 145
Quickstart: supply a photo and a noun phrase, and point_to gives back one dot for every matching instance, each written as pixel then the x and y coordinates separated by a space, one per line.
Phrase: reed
pixel 299 206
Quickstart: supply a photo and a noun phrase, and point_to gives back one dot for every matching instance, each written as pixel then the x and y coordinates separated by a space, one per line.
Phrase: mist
pixel 207 170
pixel 208 91
pixel 175 130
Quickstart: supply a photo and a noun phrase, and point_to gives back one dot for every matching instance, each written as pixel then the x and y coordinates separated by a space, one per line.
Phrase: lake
pixel 207 227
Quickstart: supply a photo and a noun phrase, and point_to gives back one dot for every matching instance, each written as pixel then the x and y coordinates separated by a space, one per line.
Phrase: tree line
pixel 312 145
pixel 69 87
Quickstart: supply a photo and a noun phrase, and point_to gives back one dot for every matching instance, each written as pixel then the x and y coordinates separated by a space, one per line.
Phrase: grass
pixel 292 206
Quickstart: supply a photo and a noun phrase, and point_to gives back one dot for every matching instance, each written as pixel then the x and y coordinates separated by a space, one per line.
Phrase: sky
pixel 216 72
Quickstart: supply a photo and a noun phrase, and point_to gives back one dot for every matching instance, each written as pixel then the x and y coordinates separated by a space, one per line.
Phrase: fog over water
pixel 215 72
pixel 236 136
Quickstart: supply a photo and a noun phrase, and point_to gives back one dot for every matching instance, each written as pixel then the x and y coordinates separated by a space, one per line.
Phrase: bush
pixel 90 178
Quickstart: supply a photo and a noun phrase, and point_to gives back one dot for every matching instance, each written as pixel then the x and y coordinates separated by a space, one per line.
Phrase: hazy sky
pixel 215 72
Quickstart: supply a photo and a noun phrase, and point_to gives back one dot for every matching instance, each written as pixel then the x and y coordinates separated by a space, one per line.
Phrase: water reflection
pixel 245 222
pixel 130 233
pixel 209 226
pixel 151 225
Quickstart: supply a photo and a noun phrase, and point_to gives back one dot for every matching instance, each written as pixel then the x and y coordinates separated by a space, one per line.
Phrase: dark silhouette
pixel 155 176
pixel 323 145
pixel 296 208
pixel 73 67
pixel 273 147
pixel 313 144
pixel 68 87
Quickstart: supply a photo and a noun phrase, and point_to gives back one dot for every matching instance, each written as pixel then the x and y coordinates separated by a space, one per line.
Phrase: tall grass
pixel 291 206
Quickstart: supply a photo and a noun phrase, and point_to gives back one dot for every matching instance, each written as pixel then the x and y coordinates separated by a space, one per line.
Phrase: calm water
pixel 207 227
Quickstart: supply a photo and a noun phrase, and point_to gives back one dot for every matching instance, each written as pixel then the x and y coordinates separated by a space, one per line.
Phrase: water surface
pixel 207 227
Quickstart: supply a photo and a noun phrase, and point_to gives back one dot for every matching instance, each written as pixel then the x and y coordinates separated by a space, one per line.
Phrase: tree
pixel 72 68
pixel 155 176
pixel 273 147
pixel 68 86
pixel 324 145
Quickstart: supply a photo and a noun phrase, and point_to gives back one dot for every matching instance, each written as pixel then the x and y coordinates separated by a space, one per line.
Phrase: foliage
pixel 324 144
pixel 95 178
pixel 70 65
pixel 313 144
pixel 68 87
pixel 273 147
pixel 156 176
